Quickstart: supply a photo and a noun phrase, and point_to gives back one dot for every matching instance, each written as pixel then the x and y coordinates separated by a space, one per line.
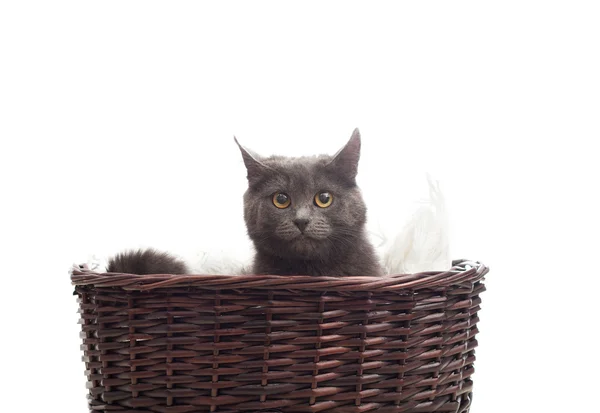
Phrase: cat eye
pixel 281 200
pixel 323 199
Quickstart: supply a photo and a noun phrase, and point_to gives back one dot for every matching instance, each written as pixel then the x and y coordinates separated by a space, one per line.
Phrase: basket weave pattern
pixel 182 344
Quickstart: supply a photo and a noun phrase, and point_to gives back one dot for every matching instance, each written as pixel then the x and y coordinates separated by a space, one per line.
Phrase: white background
pixel 117 123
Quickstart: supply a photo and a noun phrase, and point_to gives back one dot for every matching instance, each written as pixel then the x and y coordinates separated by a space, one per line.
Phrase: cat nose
pixel 301 223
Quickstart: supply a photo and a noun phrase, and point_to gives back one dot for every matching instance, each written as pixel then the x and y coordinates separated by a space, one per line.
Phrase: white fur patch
pixel 423 243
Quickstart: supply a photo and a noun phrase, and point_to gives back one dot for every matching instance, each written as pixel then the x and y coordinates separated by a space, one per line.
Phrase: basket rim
pixel 462 271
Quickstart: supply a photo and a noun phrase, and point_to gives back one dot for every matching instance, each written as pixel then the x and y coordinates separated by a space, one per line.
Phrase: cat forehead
pixel 302 162
pixel 301 172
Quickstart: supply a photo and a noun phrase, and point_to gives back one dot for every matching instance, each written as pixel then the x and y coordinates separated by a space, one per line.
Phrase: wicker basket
pixel 187 343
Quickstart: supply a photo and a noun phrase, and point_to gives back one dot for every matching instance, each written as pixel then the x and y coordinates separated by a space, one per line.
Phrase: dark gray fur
pixel 148 261
pixel 334 240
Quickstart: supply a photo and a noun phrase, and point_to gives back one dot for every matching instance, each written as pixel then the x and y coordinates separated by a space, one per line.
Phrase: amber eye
pixel 281 200
pixel 323 199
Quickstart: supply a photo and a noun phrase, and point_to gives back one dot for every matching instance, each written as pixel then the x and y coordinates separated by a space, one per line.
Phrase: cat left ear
pixel 345 162
pixel 256 170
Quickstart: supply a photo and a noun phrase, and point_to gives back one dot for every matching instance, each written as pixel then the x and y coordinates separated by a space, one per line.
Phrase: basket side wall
pixel 185 350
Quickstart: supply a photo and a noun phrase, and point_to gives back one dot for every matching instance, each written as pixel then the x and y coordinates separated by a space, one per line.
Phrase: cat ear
pixel 256 170
pixel 345 162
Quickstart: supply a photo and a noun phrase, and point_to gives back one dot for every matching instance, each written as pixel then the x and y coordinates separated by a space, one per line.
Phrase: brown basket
pixel 188 343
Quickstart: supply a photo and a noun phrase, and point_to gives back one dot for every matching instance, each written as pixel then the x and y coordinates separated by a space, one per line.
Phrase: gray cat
pixel 305 216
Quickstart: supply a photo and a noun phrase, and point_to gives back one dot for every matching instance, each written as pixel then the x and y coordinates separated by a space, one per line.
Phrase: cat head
pixel 304 208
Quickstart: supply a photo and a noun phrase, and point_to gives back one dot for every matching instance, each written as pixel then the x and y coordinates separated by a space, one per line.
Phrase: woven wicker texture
pixel 182 344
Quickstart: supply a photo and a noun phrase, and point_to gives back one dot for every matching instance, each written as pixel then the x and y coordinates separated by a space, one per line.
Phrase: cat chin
pixel 306 247
pixel 298 237
pixel 301 246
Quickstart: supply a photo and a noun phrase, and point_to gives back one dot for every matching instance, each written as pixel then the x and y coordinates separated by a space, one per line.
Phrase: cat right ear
pixel 345 162
pixel 256 170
